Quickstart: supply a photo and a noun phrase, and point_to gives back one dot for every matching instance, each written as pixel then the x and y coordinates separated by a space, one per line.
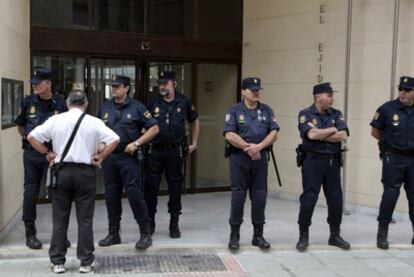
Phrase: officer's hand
pixel 97 160
pixel 50 157
pixel 252 149
pixel 191 148
pixel 256 157
pixel 334 130
pixel 130 148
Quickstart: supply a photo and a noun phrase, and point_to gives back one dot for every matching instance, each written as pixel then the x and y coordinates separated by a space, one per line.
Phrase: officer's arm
pixel 340 136
pixel 376 133
pixel 195 133
pixel 320 134
pixel 40 147
pixel 236 140
pixel 269 140
pixel 20 129
pixel 148 135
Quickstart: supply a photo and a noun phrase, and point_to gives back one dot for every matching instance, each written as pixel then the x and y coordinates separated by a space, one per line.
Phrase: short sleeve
pixel 146 118
pixel 379 118
pixel 340 123
pixel 304 123
pixel 230 122
pixel 191 112
pixel 43 133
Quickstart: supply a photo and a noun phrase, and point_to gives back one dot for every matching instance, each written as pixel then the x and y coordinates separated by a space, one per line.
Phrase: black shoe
pixel 174 228
pixel 112 237
pixel 258 239
pixel 303 241
pixel 234 237
pixel 382 241
pixel 336 240
pixel 145 240
pixel 412 241
pixel 31 240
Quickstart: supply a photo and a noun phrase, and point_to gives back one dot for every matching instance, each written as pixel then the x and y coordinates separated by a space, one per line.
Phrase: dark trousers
pixel 123 171
pixel 158 161
pixel 317 173
pixel 396 171
pixel 75 182
pixel 247 175
pixel 35 167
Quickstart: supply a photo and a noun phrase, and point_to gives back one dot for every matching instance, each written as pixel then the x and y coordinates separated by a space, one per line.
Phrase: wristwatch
pixel 136 143
pixel 47 152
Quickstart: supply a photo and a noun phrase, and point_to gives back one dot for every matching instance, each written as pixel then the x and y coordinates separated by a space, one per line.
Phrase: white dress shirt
pixel 58 128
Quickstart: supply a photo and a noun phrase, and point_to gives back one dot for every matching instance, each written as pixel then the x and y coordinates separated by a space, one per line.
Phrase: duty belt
pixel 323 156
pixel 402 152
pixel 163 145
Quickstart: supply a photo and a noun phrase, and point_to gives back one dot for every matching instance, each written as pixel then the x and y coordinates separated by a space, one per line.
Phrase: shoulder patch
pixel 227 117
pixel 148 115
pixel 376 116
pixel 302 119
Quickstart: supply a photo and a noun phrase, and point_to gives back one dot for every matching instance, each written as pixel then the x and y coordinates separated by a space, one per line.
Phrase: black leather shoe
pixel 112 237
pixel 145 240
pixel 382 241
pixel 303 241
pixel 174 228
pixel 31 240
pixel 336 240
pixel 234 237
pixel 258 239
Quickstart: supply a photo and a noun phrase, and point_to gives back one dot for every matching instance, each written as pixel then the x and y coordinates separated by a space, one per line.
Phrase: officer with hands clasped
pixel 322 129
pixel 168 150
pixel 393 126
pixel 35 110
pixel 250 128
pixel 122 169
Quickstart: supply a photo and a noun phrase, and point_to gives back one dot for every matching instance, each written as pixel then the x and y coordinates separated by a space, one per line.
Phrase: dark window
pixel 119 15
pixel 68 72
pixel 220 19
pixel 61 13
pixel 170 17
pixel 11 97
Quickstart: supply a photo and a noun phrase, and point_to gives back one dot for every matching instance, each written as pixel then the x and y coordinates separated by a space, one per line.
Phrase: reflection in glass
pixel 119 15
pixel 168 16
pixel 12 95
pixel 68 73
pixel 68 13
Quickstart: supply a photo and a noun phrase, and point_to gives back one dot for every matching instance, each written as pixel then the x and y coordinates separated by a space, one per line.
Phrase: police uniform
pixel 34 112
pixel 121 170
pixel 396 124
pixel 321 167
pixel 167 152
pixel 253 126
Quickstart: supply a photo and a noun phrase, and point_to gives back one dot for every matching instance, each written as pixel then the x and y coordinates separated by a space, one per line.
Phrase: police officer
pixel 322 129
pixel 168 149
pixel 122 169
pixel 36 109
pixel 393 126
pixel 250 127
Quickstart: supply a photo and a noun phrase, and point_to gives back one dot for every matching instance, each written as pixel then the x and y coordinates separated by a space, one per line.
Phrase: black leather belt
pixel 164 146
pixel 402 152
pixel 323 156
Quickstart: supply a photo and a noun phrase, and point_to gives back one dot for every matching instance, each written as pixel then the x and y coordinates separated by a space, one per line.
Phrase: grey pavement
pixel 205 230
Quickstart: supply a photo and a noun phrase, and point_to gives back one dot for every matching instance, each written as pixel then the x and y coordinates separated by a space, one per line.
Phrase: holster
pixel 300 155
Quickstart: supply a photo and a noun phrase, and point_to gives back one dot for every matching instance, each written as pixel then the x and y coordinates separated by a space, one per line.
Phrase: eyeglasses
pixel 405 89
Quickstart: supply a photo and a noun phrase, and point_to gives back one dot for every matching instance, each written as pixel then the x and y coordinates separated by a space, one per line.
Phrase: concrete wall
pixel 281 44
pixel 14 64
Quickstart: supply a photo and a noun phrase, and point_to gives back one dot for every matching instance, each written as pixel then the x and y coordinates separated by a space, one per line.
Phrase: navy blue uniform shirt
pixel 171 118
pixel 310 118
pixel 127 120
pixel 35 112
pixel 252 125
pixel 396 124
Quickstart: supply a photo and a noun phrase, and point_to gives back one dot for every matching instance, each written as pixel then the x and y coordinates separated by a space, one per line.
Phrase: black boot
pixel 336 240
pixel 234 237
pixel 112 237
pixel 382 241
pixel 303 241
pixel 258 239
pixel 145 240
pixel 174 229
pixel 152 225
pixel 31 240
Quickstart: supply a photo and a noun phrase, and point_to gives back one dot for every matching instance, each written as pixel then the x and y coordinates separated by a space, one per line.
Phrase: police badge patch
pixel 302 119
pixel 376 116
pixel 227 117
